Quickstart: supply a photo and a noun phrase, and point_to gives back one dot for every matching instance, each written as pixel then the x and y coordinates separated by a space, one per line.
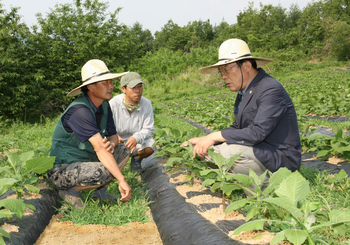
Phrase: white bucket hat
pixel 92 72
pixel 233 50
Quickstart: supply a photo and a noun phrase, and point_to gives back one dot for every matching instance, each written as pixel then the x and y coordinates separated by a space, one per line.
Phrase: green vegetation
pixel 310 48
pixel 40 65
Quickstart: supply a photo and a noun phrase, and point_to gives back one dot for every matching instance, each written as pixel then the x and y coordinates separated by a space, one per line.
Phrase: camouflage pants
pixel 66 176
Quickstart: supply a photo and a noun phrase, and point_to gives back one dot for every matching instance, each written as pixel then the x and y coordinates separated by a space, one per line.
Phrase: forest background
pixel 39 66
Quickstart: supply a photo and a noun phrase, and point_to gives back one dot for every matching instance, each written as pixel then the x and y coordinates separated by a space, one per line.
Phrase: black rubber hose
pixel 31 226
pixel 178 222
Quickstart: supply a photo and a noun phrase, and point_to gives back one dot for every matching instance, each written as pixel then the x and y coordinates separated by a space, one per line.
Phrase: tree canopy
pixel 40 66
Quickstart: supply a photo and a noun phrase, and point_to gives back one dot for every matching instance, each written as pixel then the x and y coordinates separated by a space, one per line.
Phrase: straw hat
pixel 92 72
pixel 233 50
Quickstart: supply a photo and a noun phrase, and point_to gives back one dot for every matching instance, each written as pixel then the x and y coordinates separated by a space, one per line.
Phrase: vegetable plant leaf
pixel 40 165
pixel 6 184
pixel 294 188
pixel 296 237
pixel 252 225
pixel 237 205
pixel 15 205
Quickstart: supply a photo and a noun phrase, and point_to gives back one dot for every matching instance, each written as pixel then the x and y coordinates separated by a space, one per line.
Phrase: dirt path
pixel 66 233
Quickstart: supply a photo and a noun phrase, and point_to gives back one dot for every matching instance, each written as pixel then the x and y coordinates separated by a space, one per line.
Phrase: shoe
pixel 135 165
pixel 99 195
pixel 76 201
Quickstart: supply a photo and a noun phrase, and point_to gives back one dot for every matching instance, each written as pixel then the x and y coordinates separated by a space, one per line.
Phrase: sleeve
pixel 147 128
pixel 110 123
pixel 82 122
pixel 271 107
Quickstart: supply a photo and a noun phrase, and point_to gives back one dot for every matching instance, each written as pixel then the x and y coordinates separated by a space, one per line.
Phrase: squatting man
pixel 265 127
pixel 85 141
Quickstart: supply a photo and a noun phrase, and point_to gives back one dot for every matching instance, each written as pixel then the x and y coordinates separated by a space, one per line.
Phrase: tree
pixel 68 37
pixel 16 90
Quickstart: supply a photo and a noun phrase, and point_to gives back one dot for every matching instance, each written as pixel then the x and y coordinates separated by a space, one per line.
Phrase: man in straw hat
pixel 134 121
pixel 85 141
pixel 265 127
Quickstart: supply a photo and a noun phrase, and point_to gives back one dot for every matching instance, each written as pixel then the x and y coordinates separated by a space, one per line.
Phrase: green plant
pixel 256 188
pixel 9 207
pixel 220 179
pixel 21 172
pixel 192 166
pixel 302 217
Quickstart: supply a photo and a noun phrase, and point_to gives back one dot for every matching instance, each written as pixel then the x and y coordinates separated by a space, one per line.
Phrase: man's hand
pixel 202 144
pixel 131 144
pixel 125 191
pixel 193 141
pixel 108 145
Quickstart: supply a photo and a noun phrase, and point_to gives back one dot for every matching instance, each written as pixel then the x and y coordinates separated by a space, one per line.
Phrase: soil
pixel 208 204
pixel 138 233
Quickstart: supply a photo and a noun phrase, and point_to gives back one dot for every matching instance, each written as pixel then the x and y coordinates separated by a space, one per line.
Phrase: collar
pixel 242 93
pixel 94 108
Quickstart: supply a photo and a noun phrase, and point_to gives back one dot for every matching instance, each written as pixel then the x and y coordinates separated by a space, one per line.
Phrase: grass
pixel 107 213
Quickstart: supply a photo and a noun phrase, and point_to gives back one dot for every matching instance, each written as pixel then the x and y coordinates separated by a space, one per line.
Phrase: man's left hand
pixel 203 144
pixel 131 143
pixel 108 145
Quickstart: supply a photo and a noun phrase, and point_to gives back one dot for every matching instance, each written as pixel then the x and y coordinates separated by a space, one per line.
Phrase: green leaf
pixel 6 184
pixel 208 171
pixel 242 178
pixel 285 204
pixel 15 205
pixel 208 182
pixel 218 159
pixel 26 156
pixel 7 214
pixel 14 161
pixel 252 225
pixel 5 234
pixel 297 237
pixel 276 178
pixel 40 165
pixel 237 205
pixel 227 188
pixel 32 188
pixel 294 188
pixel 278 238
pixel 171 160
pixel 252 213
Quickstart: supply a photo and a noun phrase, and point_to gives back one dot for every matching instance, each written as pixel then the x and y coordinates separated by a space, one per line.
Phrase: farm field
pixel 321 97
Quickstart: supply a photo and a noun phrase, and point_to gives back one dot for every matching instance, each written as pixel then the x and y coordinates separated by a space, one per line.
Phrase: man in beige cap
pixel 265 127
pixel 85 141
pixel 134 121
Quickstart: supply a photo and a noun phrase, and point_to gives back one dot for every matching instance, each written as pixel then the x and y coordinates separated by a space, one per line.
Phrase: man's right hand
pixel 193 141
pixel 131 143
pixel 125 191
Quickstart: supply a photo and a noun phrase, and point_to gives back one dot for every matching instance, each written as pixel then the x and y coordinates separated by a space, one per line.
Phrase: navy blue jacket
pixel 267 120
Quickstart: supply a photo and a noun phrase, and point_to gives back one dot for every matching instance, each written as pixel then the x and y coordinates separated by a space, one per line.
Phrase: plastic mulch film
pixel 31 226
pixel 178 222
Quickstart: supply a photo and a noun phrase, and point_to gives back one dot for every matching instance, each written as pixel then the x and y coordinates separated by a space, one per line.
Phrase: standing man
pixel 133 118
pixel 265 127
pixel 85 141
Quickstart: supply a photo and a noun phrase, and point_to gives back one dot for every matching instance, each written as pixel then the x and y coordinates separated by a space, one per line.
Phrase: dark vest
pixel 67 147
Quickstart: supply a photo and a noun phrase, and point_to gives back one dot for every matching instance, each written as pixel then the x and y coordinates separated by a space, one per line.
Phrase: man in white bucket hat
pixel 134 121
pixel 85 141
pixel 265 127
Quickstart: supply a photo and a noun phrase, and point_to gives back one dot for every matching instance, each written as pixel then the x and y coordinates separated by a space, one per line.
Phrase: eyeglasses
pixel 225 71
